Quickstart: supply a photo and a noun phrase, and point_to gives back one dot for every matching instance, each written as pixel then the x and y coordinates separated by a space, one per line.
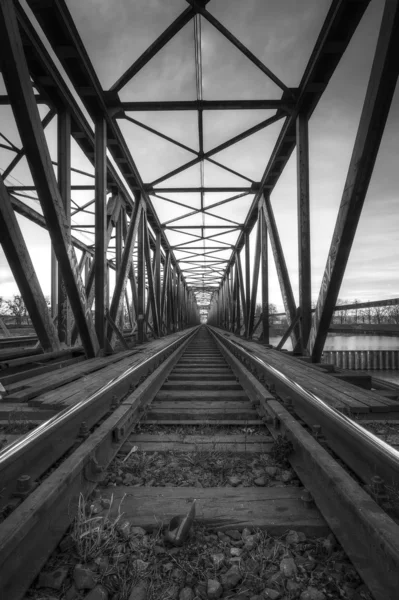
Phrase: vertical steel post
pixel 265 277
pixel 100 263
pixel 247 282
pixel 64 184
pixel 140 280
pixel 305 291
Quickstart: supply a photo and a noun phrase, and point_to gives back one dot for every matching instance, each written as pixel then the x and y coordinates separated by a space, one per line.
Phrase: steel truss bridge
pixel 163 287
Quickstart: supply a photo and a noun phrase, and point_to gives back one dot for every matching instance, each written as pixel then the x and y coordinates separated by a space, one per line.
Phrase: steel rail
pixel 378 453
pixel 60 424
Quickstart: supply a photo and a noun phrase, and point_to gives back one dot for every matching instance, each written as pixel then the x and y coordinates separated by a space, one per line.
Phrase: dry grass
pixel 94 535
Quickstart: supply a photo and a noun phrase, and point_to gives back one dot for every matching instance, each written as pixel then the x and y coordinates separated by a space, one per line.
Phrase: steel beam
pixel 150 279
pixel 304 268
pixel 125 267
pixel 379 94
pixel 155 47
pixel 255 280
pixel 204 105
pixel 19 88
pixel 24 273
pixel 100 228
pixel 264 277
pixel 338 28
pixel 282 271
pixel 247 282
pixel 140 279
pixel 64 184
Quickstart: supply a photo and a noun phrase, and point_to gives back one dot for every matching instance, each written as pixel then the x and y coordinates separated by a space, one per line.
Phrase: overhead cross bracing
pixel 199 215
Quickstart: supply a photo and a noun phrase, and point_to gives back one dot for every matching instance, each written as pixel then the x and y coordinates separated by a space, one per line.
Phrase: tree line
pixel 371 314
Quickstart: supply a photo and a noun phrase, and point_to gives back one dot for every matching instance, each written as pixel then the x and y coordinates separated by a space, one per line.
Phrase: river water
pixel 358 342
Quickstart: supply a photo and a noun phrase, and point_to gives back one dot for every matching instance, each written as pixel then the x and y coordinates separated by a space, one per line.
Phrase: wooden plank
pixel 24 412
pixel 187 446
pixel 200 414
pixel 380 91
pixel 19 380
pixel 360 380
pixel 72 392
pixel 24 273
pixel 38 357
pixel 204 395
pixel 200 439
pixel 206 422
pixel 332 391
pixel 200 385
pixel 37 386
pixel 274 509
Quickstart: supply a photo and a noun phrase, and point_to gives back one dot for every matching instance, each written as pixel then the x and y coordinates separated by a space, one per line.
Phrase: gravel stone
pixel 139 591
pixel 172 593
pixel 287 476
pixel 98 593
pixel 137 532
pixel 214 589
pixel 295 537
pixel 234 481
pixel 235 551
pixel 272 471
pixel 272 594
pixel 140 565
pixel 288 567
pixel 186 594
pixel 217 560
pixel 234 534
pixel 84 578
pixel 231 578
pixel 312 593
pixel 53 579
pixel 260 481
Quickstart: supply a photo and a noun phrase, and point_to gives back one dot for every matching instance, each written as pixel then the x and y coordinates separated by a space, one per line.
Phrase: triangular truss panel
pixel 170 75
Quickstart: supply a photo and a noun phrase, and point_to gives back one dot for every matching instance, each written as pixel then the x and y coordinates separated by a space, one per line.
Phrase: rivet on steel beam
pixel 83 430
pixel 306 498
pixel 118 433
pixel 24 483
pixel 316 431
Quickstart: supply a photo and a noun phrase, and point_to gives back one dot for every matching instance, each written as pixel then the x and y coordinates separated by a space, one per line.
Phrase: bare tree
pixel 340 315
pixel 17 308
pixel 393 314
pixel 378 314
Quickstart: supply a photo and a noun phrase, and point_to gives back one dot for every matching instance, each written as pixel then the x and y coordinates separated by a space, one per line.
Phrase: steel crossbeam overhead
pixel 199 255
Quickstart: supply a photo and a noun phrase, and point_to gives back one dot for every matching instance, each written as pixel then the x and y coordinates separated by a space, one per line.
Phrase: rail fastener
pixel 25 486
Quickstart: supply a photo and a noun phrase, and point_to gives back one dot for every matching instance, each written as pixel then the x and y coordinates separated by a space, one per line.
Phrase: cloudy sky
pixel 281 33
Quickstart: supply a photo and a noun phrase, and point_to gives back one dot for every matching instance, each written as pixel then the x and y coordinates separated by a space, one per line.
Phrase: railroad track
pixel 210 396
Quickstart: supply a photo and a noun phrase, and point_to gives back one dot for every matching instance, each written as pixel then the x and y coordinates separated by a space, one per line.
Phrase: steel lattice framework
pixel 44 62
